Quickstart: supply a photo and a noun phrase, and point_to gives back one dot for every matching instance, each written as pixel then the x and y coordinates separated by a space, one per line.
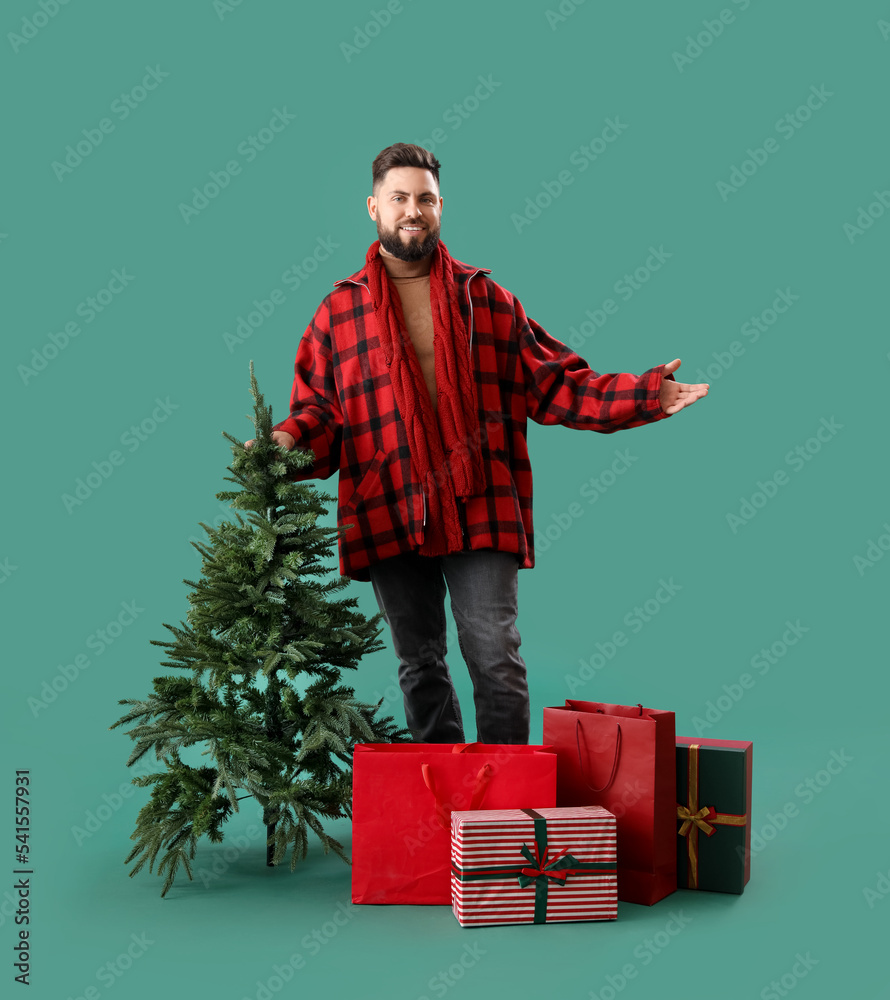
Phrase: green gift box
pixel 713 814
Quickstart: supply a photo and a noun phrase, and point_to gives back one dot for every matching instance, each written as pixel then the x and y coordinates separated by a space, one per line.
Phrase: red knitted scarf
pixel 445 452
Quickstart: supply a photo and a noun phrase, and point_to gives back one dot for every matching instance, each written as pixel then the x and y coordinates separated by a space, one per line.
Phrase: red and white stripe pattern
pixel 486 837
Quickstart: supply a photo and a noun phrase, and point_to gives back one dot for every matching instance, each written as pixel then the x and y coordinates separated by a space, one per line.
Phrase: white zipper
pixel 423 497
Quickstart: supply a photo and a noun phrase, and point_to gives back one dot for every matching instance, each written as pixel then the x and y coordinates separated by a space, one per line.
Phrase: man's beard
pixel 414 249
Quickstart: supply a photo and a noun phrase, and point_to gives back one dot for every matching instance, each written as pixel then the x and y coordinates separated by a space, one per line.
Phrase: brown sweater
pixel 412 281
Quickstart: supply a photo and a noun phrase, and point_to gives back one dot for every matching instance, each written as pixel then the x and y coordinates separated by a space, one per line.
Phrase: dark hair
pixel 402 154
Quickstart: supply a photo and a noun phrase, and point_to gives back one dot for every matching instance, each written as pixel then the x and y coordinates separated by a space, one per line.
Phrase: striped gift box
pixel 528 866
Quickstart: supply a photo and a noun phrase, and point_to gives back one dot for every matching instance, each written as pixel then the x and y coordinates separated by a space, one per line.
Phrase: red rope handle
pixel 443 810
pixel 482 780
pixel 581 759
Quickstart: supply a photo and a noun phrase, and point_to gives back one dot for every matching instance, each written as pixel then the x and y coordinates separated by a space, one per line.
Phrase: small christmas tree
pixel 261 621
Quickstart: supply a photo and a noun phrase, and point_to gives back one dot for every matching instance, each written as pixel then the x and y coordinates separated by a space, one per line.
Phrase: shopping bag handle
pixel 581 759
pixel 443 809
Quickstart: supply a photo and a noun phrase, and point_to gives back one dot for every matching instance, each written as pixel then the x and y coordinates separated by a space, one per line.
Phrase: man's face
pixel 407 209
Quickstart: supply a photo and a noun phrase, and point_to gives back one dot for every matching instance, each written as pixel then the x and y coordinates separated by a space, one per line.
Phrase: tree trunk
pixel 270 847
pixel 274 732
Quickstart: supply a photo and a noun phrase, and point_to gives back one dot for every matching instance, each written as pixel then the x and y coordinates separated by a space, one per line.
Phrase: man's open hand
pixel 279 437
pixel 675 395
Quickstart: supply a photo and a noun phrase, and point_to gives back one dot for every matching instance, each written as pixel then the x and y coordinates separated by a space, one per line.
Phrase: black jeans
pixel 410 591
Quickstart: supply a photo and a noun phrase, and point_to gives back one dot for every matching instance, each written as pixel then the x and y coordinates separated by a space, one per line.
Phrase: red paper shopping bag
pixel 623 758
pixel 402 798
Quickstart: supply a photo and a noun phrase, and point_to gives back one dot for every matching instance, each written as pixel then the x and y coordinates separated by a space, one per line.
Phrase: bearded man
pixel 415 380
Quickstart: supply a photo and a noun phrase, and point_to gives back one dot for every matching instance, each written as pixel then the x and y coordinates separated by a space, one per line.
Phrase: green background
pixel 553 86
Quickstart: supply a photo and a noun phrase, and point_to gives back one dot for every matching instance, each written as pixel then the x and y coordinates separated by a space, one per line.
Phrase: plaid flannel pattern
pixel 343 410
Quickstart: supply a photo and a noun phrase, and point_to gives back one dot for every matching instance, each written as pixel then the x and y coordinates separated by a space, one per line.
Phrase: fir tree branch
pixel 258 664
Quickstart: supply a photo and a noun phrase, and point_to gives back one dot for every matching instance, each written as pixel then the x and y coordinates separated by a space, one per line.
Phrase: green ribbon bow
pixel 538 870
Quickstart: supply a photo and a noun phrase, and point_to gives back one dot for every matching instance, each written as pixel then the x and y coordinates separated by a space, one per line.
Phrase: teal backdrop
pixel 706 179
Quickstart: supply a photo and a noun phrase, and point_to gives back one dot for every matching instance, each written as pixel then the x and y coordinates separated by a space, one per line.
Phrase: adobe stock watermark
pixel 364 34
pixel 112 971
pixel 429 826
pixel 806 792
pixel 458 112
pixel 91 307
pixel 591 490
pixel 625 287
pixel 248 149
pixel 224 7
pixel 761 662
pixel 133 438
pixel 121 108
pixel 444 980
pixel 247 323
pixel 712 29
pixel 796 459
pixel 6 569
pixel 787 127
pixel 751 329
pixel 880 890
pixel 313 943
pixel 34 23
pixel 874 551
pixel 22 948
pixel 227 515
pixel 17 903
pixel 782 986
pixel 867 215
pixel 645 952
pixel 581 158
pixel 223 860
pixel 96 642
pixel 111 802
pixel 635 619
pixel 562 13
pixel 391 695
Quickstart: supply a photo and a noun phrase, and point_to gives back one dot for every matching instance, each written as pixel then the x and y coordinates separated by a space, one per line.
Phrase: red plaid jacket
pixel 344 411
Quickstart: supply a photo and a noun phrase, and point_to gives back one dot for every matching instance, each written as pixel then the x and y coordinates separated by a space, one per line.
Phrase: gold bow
pixel 694 817
pixel 698 818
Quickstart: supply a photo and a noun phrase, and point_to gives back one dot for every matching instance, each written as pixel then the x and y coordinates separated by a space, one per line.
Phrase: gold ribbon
pixel 698 818
pixel 694 817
